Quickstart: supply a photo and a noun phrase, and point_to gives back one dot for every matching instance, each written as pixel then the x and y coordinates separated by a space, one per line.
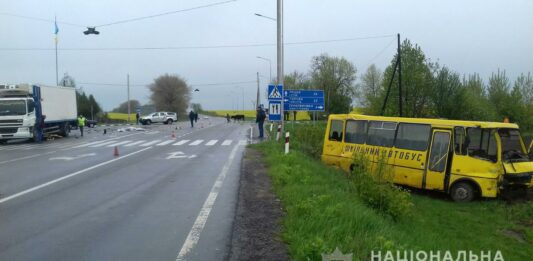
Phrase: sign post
pixel 275 103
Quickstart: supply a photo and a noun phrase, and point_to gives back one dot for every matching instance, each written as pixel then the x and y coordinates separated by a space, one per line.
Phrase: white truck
pixel 31 111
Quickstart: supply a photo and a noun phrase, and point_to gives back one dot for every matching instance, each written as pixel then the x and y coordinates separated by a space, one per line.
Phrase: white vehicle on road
pixel 159 117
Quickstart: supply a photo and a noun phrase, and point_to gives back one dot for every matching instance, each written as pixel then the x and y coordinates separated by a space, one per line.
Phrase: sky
pixel 468 36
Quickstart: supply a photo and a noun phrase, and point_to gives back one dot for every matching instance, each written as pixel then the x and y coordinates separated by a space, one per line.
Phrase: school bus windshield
pixel 512 149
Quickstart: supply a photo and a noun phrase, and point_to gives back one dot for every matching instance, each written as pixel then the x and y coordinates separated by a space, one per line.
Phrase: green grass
pixel 324 212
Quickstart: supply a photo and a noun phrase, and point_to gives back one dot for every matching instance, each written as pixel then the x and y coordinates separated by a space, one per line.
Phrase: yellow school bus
pixel 466 159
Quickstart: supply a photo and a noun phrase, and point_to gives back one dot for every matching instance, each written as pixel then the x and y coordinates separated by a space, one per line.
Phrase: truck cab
pixel 31 111
pixel 17 113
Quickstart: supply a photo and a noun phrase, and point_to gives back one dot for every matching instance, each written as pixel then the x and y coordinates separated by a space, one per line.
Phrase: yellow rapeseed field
pixel 300 116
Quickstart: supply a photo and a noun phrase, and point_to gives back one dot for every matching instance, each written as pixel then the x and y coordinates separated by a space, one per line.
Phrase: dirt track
pixel 256 229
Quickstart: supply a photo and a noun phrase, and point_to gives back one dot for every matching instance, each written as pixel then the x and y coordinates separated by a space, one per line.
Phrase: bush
pixel 376 189
pixel 307 137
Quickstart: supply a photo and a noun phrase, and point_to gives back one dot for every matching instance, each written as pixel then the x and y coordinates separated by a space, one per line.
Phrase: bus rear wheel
pixel 462 192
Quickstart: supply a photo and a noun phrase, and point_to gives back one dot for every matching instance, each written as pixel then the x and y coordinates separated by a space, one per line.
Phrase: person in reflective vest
pixel 81 123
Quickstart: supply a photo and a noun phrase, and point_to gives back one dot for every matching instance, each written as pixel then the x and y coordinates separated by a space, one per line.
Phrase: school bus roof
pixel 442 122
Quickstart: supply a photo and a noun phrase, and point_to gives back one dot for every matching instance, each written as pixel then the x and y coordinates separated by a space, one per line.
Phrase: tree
pixel 448 95
pixel 67 81
pixel 476 102
pixel 336 76
pixel 170 93
pixel 197 107
pixel 296 81
pixel 417 81
pixel 371 86
pixel 123 107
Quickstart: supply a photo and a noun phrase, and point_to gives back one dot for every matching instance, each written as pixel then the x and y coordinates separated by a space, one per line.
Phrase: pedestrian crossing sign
pixel 274 92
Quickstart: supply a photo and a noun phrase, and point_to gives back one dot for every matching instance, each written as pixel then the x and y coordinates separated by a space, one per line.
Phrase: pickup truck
pixel 159 117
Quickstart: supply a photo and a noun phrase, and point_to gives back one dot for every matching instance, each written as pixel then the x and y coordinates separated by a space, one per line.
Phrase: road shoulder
pixel 257 228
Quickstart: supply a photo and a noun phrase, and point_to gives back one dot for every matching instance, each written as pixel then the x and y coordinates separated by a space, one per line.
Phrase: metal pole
pixel 279 21
pixel 57 73
pixel 270 66
pixel 129 108
pixel 257 98
pixel 400 74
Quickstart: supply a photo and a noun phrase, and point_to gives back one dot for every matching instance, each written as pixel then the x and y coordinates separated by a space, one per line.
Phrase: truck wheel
pixel 65 130
pixel 169 121
pixel 462 192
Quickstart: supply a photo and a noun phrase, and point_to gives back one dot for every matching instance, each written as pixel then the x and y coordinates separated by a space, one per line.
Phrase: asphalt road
pixel 164 197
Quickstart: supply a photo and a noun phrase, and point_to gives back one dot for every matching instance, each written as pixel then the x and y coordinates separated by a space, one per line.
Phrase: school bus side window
pixel 460 145
pixel 381 133
pixel 482 144
pixel 335 132
pixel 355 132
pixel 412 136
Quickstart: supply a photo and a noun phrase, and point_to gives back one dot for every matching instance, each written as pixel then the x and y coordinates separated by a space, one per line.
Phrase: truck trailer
pixel 32 111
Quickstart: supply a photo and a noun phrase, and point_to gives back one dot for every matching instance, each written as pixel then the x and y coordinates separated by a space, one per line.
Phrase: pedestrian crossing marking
pixel 135 143
pixel 150 143
pixel 102 144
pixel 119 143
pixel 181 142
pixel 124 143
pixel 165 143
pixel 196 142
pixel 211 143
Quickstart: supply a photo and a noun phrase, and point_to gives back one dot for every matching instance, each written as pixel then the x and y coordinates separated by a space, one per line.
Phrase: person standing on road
pixel 192 116
pixel 81 123
pixel 137 116
pixel 227 117
pixel 196 117
pixel 260 120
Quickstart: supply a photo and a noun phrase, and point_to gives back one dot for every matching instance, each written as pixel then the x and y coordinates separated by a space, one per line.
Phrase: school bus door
pixel 333 144
pixel 438 160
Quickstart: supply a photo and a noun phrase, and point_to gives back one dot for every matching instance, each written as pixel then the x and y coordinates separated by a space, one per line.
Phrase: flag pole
pixel 56 31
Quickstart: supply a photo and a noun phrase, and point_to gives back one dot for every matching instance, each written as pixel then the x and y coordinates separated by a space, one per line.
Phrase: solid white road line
pixel 198 226
pixel 119 143
pixel 181 142
pixel 165 143
pixel 211 143
pixel 150 143
pixel 134 143
pixel 226 142
pixel 67 176
pixel 196 142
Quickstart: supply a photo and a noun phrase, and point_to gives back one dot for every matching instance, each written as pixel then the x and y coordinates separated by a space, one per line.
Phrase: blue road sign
pixel 275 92
pixel 274 111
pixel 303 100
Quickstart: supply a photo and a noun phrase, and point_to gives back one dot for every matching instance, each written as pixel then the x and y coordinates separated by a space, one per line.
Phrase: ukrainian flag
pixel 56 28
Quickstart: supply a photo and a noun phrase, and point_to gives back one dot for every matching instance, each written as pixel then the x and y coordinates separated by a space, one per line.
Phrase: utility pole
pixel 279 21
pixel 257 98
pixel 56 31
pixel 400 74
pixel 129 108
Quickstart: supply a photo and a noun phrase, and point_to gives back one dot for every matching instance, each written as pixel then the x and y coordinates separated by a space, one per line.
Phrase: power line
pixel 198 47
pixel 41 19
pixel 166 13
pixel 121 21
pixel 383 50
pixel 194 84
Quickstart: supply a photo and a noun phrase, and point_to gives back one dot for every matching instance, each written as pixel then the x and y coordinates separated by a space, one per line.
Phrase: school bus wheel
pixel 463 191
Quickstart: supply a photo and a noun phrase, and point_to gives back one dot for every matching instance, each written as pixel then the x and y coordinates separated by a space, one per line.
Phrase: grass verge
pixel 324 211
